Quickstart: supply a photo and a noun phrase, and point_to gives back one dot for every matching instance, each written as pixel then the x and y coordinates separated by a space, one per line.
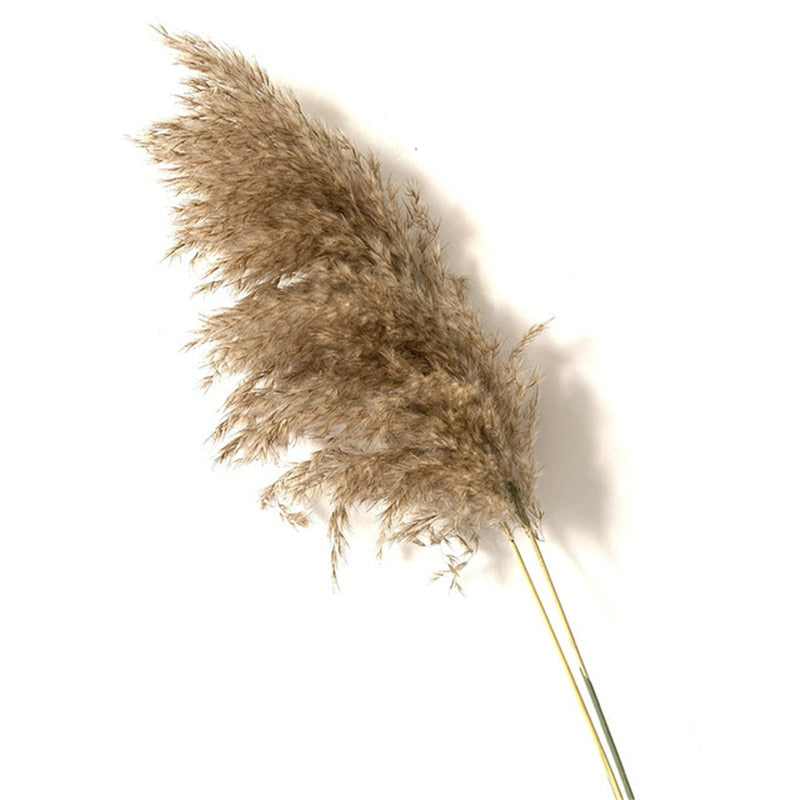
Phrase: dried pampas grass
pixel 346 330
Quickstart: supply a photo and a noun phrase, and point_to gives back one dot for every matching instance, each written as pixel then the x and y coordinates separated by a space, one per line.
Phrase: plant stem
pixel 584 672
pixel 612 779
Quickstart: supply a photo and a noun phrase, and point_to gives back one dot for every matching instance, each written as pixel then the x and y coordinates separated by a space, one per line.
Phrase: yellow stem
pixel 584 672
pixel 612 779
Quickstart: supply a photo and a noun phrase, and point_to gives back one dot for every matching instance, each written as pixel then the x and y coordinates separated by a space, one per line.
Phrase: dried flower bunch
pixel 346 330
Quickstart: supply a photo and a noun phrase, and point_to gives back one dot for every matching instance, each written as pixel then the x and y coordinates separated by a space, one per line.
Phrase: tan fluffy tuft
pixel 346 330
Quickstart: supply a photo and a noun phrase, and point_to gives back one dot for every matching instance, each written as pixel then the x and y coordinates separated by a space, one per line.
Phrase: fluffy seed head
pixel 346 330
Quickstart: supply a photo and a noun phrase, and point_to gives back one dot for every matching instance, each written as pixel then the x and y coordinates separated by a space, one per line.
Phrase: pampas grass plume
pixel 346 329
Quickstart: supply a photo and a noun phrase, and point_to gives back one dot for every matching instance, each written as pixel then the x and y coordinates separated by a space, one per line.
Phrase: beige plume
pixel 346 330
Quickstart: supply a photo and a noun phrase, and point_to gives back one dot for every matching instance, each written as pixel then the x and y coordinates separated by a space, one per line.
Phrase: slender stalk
pixel 584 672
pixel 612 779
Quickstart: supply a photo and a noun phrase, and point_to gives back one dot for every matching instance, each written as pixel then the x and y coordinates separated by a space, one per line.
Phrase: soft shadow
pixel 573 485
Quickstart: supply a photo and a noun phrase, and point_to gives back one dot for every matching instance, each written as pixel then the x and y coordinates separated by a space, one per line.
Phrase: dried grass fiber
pixel 346 330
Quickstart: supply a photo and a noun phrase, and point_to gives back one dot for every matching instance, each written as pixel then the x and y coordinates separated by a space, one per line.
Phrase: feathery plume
pixel 346 330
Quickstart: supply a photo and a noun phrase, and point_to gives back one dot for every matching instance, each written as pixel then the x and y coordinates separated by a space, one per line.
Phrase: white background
pixel 631 170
